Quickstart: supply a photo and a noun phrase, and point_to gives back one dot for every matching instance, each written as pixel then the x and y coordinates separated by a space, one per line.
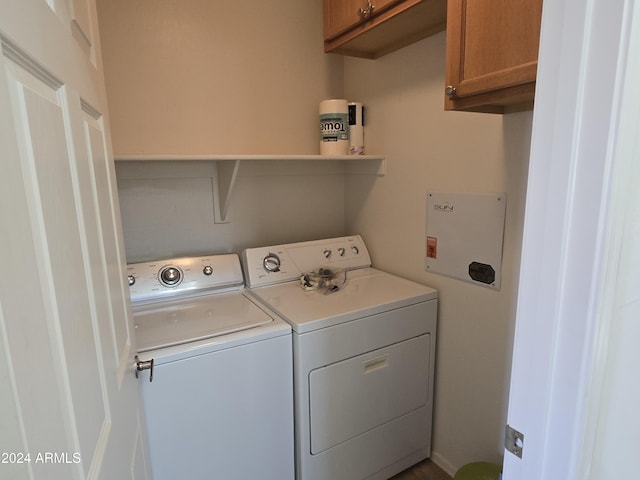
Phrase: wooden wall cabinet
pixel 492 54
pixel 372 28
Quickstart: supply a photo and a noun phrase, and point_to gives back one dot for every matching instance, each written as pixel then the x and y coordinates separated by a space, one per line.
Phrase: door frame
pixel 569 233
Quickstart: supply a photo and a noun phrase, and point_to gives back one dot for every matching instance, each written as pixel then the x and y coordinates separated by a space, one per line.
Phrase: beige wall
pixel 167 210
pixel 196 76
pixel 202 77
pixel 428 149
pixel 184 78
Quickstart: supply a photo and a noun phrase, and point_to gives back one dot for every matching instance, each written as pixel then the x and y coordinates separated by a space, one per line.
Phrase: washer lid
pixel 172 323
pixel 367 292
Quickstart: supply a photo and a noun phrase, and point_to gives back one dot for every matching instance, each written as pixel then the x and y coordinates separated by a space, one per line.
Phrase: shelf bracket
pixel 223 185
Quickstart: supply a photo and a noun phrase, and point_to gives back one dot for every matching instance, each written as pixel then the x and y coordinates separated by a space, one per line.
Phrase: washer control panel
pixel 282 263
pixel 186 276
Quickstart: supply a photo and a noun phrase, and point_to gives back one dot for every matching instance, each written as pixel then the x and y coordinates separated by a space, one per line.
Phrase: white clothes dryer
pixel 218 399
pixel 364 356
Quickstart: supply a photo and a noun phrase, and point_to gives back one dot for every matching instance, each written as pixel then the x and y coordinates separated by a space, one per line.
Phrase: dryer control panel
pixel 287 262
pixel 187 276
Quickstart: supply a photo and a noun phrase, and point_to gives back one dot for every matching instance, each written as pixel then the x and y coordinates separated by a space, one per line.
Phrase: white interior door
pixel 69 400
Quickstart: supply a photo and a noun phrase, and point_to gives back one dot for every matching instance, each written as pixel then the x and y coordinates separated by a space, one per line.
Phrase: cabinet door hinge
pixel 513 441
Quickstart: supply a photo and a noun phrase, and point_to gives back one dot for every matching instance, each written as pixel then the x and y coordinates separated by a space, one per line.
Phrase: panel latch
pixel 144 365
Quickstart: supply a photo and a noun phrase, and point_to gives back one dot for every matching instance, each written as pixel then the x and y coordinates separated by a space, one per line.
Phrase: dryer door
pixel 353 396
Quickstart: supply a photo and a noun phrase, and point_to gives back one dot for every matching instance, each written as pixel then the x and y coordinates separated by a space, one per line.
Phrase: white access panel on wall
pixel 464 236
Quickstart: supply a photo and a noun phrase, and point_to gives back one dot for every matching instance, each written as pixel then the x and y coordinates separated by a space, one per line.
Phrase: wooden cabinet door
pixel 492 52
pixel 341 15
pixel 391 24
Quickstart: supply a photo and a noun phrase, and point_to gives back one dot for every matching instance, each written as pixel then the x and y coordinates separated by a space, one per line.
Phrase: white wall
pixel 614 415
pixel 428 149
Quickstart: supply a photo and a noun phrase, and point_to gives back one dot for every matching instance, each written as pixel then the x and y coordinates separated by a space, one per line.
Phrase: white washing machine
pixel 218 396
pixel 364 355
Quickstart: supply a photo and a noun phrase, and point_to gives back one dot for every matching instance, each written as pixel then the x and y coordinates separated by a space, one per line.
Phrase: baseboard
pixel 443 463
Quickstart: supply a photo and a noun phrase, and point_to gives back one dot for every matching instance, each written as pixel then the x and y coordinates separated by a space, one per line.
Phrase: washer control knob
pixel 341 251
pixel 170 276
pixel 327 253
pixel 132 280
pixel 355 249
pixel 207 270
pixel 271 263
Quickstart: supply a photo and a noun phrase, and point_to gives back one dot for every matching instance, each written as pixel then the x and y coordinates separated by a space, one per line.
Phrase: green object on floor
pixel 478 471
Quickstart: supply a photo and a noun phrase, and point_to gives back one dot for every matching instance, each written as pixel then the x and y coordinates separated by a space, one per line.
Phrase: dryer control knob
pixel 355 249
pixel 132 280
pixel 327 253
pixel 271 263
pixel 207 270
pixel 341 251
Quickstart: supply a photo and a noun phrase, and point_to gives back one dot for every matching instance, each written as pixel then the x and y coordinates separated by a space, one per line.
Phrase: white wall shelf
pixel 228 166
